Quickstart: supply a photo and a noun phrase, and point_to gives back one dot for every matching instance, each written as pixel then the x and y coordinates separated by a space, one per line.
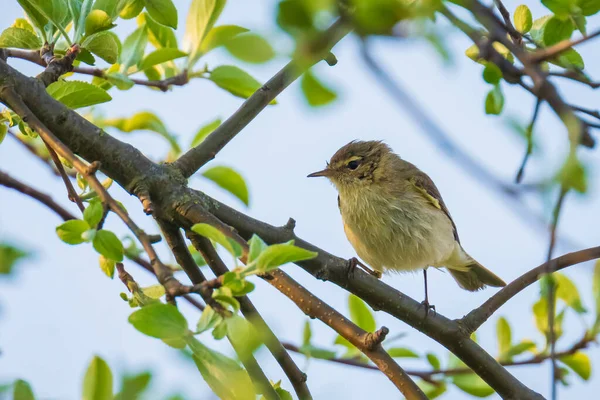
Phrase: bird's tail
pixel 473 276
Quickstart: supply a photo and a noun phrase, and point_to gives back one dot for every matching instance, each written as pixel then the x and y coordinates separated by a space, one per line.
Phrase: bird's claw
pixel 428 307
pixel 354 262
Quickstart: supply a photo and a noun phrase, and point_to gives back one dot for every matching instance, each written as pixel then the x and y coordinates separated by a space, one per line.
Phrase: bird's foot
pixel 428 307
pixel 354 262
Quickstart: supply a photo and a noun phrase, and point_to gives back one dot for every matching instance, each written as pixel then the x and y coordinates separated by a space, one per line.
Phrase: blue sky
pixel 59 309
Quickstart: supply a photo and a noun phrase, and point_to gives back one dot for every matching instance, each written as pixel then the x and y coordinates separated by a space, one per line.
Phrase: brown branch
pixel 529 148
pixel 196 157
pixel 514 34
pixel 164 84
pixel 72 194
pixel 56 67
pixel 575 76
pixel 474 319
pixel 559 48
pixel 43 198
pixel 45 158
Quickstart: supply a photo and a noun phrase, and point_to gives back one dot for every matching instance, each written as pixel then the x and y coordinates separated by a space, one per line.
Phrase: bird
pixel 396 219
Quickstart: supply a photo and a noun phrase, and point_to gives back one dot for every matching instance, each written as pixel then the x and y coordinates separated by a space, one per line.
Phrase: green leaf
pixel 494 101
pixel 159 35
pixel 432 391
pixel 79 10
pixel 110 7
pixel 492 73
pixel 160 56
pixel 131 9
pixel 220 35
pixel 109 245
pixel 307 334
pixel 570 58
pixel 204 131
pixel 163 12
pixel 20 39
pixel 105 45
pixel 133 48
pixel 361 314
pixel 162 321
pixel 201 17
pixel 208 320
pixel 22 391
pixel 520 348
pixel 282 393
pixel 224 376
pixel 93 213
pixel 23 24
pixel 257 246
pixel 70 231
pixel 9 256
pixel 154 291
pixel 37 18
pixel 230 180
pixel 121 81
pixel 98 381
pixel 243 336
pixel 589 7
pixel 133 386
pixel 97 21
pixel 77 94
pixel 567 291
pixel 315 93
pixel 402 352
pixel 556 30
pixel 540 312
pixel 580 23
pixel 176 343
pixel 579 363
pixel 107 266
pixel 236 81
pixel 279 254
pixel 250 47
pixel 55 11
pixel 561 8
pixel 523 19
pixel 473 385
pixel 504 336
pixel 573 175
pixel 3 131
pixel 216 235
pixel 433 360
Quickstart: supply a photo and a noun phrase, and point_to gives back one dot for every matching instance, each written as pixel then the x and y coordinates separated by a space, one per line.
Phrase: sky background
pixel 59 309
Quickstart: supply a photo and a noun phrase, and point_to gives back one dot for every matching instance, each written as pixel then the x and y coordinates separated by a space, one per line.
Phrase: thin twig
pixel 559 48
pixel 514 34
pixel 529 134
pixel 72 194
pixel 575 76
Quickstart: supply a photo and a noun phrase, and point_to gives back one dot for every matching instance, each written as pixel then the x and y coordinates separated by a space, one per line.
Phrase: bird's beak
pixel 324 172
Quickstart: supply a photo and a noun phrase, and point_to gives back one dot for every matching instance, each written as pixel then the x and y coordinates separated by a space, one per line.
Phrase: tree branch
pixel 559 48
pixel 474 319
pixel 196 157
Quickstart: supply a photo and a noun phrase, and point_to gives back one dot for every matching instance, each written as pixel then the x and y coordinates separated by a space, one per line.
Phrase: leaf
pixel 589 7
pixel 279 254
pixel 570 58
pixel 492 74
pixel 98 381
pixel 567 291
pixel 9 256
pixel 70 231
pixel 163 12
pixel 107 266
pixel 257 246
pixel 208 320
pixel 133 48
pixel 504 336
pixel 432 391
pixel 494 101
pixel 520 348
pixel 105 45
pixel 236 81
pixel 402 352
pixel 523 19
pixel 55 11
pixel 556 30
pixel 307 334
pixel 121 81
pixel 360 314
pixel 243 336
pixel 573 175
pixel 473 385
pixel 216 235
pixel 162 321
pixel 561 8
pixel 433 361
pixel 23 24
pixel 204 131
pixel 110 7
pixel 220 35
pixel 315 93
pixel 131 9
pixel 160 56
pixel 201 17
pixel 224 376
pixel 230 180
pixel 540 312
pixel 19 38
pixel 159 35
pixel 34 15
pixel 77 94
pixel 250 47
pixel 93 213
pixel 22 391
pixel 97 21
pixel 133 386
pixel 579 363
pixel 3 131
pixel 109 245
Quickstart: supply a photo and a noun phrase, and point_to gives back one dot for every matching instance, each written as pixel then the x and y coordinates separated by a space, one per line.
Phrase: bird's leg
pixel 426 301
pixel 354 262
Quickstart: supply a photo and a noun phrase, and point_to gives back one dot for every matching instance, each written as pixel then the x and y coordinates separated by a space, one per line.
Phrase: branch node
pixel 93 168
pixel 154 238
pixel 290 225
pixel 372 340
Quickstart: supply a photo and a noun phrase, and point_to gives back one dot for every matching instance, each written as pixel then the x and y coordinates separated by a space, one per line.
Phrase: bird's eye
pixel 353 164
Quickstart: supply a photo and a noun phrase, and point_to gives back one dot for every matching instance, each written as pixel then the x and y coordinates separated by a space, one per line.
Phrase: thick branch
pixel 195 158
pixel 473 320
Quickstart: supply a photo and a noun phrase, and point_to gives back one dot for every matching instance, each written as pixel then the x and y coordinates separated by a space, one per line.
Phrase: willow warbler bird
pixel 395 218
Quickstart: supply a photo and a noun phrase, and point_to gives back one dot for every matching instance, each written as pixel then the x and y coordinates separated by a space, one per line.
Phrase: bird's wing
pixel 424 185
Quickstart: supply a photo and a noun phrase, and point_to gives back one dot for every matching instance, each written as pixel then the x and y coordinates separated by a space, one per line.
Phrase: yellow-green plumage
pixel 395 218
